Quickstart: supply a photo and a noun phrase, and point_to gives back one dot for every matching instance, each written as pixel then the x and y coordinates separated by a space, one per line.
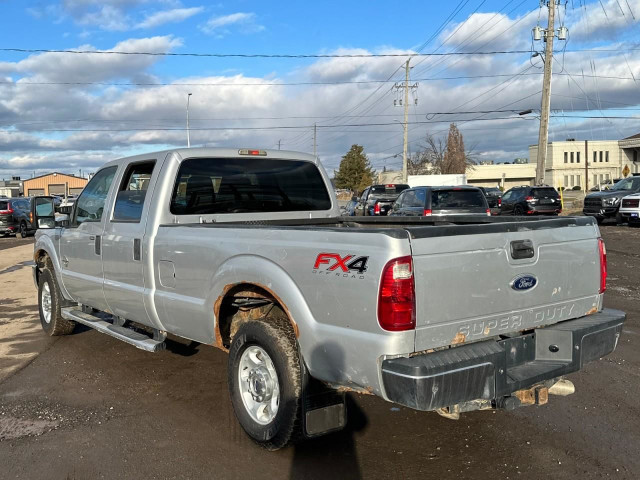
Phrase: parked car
pixel 630 210
pixel 244 250
pixel 605 204
pixel 493 196
pixel 378 199
pixel 604 185
pixel 17 214
pixel 528 200
pixel 438 201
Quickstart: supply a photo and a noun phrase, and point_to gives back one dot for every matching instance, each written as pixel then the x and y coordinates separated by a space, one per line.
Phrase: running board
pixel 132 337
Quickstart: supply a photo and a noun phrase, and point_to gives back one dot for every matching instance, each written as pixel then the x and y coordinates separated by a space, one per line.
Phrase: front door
pixel 81 242
pixel 124 247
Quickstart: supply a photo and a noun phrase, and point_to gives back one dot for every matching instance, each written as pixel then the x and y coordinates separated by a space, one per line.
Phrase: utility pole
pixel 315 139
pixel 279 144
pixel 586 166
pixel 543 135
pixel 188 137
pixel 405 144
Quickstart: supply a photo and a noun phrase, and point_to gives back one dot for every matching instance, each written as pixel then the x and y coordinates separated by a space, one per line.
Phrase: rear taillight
pixel 488 212
pixel 603 265
pixel 396 299
pixel 8 211
pixel 427 212
pixel 376 209
pixel 31 217
pixel 531 199
pixel 499 202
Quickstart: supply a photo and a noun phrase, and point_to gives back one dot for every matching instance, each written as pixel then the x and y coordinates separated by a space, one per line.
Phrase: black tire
pixel 22 231
pixel 518 211
pixel 619 219
pixel 56 324
pixel 277 338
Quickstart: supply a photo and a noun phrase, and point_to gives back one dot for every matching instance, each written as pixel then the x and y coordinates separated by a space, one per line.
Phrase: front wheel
pixel 518 211
pixel 265 381
pixel 49 299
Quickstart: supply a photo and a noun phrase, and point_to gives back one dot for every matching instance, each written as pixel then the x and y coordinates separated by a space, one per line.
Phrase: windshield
pixel 545 192
pixel 388 189
pixel 627 184
pixel 445 199
pixel 492 191
pixel 231 185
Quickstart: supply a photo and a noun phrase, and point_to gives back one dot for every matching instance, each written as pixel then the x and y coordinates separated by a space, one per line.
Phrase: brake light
pixel 8 211
pixel 376 209
pixel 245 151
pixel 531 199
pixel 488 212
pixel 396 299
pixel 499 202
pixel 427 212
pixel 603 265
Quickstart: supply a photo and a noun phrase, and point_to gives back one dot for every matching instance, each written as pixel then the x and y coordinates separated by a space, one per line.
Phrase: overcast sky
pixel 70 112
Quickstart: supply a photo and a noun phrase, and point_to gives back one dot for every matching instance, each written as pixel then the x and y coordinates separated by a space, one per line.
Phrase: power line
pixel 283 55
pixel 295 127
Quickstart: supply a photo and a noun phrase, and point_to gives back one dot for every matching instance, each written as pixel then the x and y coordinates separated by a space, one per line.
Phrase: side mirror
pixel 45 212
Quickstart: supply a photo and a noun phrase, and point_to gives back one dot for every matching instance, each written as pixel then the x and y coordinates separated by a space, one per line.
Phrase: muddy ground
pixel 86 406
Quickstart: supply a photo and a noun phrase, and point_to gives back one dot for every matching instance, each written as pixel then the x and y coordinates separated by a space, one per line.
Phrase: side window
pixel 132 192
pixel 421 197
pixel 399 201
pixel 507 196
pixel 90 204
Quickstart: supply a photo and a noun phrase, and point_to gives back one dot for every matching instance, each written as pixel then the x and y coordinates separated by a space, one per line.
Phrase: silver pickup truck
pixel 245 250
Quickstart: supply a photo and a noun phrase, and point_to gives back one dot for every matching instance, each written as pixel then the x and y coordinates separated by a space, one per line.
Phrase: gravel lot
pixel 86 406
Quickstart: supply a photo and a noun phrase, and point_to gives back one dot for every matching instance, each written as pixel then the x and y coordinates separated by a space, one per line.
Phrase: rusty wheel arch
pixel 229 317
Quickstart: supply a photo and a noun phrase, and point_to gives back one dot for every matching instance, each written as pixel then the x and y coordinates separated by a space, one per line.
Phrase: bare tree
pixel 439 157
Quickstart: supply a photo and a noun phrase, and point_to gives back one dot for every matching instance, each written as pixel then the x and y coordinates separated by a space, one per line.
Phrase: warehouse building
pixel 53 184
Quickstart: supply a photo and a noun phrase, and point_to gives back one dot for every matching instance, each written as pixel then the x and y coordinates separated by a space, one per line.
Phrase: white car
pixel 630 209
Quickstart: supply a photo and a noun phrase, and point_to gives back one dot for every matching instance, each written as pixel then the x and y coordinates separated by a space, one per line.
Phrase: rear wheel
pixel 22 231
pixel 49 301
pixel 518 210
pixel 265 381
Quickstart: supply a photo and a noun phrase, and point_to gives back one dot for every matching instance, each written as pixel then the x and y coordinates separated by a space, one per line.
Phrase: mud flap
pixel 323 409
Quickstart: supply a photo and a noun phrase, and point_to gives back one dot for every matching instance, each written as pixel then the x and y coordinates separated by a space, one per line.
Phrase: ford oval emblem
pixel 524 282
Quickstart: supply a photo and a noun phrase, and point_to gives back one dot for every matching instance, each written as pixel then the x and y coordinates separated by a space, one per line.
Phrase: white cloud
pixel 246 23
pixel 603 20
pixel 169 16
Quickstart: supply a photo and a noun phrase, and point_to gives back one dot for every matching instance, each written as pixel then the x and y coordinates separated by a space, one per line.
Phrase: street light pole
pixel 188 136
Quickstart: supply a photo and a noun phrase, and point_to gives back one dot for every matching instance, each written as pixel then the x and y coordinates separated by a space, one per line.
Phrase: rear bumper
pixel 492 370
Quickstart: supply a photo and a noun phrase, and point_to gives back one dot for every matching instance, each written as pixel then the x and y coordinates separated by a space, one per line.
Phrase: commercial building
pixel 53 184
pixel 11 188
pixel 576 163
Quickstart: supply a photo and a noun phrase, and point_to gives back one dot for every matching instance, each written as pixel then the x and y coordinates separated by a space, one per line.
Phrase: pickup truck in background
pixel 377 200
pixel 245 250
pixel 606 204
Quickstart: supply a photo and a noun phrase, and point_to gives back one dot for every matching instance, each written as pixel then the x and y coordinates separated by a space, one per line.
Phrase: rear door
pixel 123 245
pixel 478 281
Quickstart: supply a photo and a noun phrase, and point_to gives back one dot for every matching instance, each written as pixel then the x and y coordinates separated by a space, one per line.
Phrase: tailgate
pixel 469 286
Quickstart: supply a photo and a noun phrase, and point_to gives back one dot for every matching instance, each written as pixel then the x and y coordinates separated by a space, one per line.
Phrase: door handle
pixel 522 249
pixel 96 245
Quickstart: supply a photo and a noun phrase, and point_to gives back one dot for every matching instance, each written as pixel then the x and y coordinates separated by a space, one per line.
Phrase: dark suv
pixel 527 200
pixel 605 204
pixel 17 214
pixel 436 201
pixel 378 199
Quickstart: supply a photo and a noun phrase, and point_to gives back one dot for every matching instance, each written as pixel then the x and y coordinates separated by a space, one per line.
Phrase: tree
pixel 355 172
pixel 438 157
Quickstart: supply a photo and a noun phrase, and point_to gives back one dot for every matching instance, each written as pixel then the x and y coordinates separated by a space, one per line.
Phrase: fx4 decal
pixel 334 262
